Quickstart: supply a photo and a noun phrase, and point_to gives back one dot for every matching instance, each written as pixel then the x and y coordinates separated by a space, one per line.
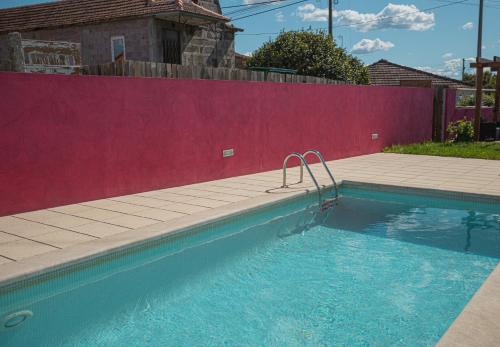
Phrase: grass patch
pixel 478 150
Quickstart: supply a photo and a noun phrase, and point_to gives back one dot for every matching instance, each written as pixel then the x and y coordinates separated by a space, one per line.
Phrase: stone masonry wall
pixel 95 40
pixel 4 53
pixel 209 45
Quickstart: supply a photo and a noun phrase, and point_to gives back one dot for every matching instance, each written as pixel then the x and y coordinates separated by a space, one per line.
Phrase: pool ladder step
pixel 323 204
pixel 328 203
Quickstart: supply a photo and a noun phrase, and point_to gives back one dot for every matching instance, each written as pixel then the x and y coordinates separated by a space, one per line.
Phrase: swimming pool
pixel 379 269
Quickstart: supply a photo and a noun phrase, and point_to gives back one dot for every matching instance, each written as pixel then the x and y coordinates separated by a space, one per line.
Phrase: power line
pixel 243 10
pixel 249 8
pixel 269 10
pixel 253 4
pixel 359 22
pixel 475 5
pixel 257 34
pixel 443 64
pixel 402 14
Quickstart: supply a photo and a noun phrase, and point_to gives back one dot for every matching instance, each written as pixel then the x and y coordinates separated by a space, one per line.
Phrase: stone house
pixel 187 32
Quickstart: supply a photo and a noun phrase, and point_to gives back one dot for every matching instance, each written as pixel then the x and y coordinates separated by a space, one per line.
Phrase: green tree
pixel 489 79
pixel 311 54
pixel 488 98
pixel 470 100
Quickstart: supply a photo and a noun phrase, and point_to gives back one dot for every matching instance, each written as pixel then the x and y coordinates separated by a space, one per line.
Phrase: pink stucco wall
pixel 67 139
pixel 454 113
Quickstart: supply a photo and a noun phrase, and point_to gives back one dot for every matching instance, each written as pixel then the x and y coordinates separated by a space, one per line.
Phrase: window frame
pixel 113 38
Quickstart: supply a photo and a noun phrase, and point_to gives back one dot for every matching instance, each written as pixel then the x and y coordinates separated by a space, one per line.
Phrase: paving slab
pixel 35 241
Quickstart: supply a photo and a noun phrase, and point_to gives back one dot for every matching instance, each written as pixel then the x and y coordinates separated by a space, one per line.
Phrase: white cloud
pixel 280 17
pixel 429 69
pixel 447 55
pixel 392 16
pixel 369 46
pixel 468 26
pixel 248 54
pixel 311 13
pixel 451 67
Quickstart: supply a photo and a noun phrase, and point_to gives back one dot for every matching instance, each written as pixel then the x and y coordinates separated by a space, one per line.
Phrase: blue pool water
pixel 379 269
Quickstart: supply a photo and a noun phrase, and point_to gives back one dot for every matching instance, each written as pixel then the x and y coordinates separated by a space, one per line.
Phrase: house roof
pixel 71 12
pixel 242 56
pixel 386 73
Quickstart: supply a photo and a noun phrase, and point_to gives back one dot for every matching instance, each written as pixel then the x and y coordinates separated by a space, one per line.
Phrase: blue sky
pixel 405 32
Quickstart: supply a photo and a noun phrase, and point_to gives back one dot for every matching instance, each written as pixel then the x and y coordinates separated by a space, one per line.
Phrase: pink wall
pixel 453 113
pixel 67 139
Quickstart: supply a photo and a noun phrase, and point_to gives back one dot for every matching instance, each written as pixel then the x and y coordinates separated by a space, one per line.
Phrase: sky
pixel 433 35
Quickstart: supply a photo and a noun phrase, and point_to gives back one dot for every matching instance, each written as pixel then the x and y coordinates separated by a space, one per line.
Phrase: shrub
pixel 311 54
pixel 461 131
pixel 470 100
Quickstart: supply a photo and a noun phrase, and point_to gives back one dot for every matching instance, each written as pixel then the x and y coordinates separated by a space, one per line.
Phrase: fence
pixel 95 137
pixel 152 69
pixel 454 112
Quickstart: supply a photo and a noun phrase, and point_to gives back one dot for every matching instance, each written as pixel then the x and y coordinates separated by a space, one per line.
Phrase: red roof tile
pixel 386 73
pixel 71 12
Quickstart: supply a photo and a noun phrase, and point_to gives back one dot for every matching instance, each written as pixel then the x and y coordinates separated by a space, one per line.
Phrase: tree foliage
pixel 311 54
pixel 489 79
pixel 489 82
pixel 470 100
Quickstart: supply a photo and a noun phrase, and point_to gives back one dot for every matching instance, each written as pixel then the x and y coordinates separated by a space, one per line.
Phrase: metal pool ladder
pixel 324 204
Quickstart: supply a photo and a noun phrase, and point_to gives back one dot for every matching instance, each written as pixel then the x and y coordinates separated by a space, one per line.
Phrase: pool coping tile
pixel 443 177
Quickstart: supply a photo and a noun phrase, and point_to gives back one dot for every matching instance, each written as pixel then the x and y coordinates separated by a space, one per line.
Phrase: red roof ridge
pixel 207 10
pixel 75 12
pixel 419 71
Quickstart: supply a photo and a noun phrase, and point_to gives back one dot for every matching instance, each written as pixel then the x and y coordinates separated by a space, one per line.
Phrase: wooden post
pixel 480 64
pixel 16 52
pixel 479 95
pixel 438 114
pixel 497 98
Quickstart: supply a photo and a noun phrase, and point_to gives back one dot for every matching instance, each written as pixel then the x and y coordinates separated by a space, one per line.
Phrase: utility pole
pixel 330 19
pixel 463 68
pixel 480 30
pixel 479 73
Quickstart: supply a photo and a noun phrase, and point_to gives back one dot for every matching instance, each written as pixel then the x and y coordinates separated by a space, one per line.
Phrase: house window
pixel 117 48
pixel 171 46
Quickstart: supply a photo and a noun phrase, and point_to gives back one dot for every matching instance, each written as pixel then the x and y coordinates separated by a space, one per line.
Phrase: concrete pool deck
pixel 33 241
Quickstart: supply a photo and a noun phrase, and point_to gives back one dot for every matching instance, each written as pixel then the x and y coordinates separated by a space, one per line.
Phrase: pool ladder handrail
pixel 320 157
pixel 303 163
